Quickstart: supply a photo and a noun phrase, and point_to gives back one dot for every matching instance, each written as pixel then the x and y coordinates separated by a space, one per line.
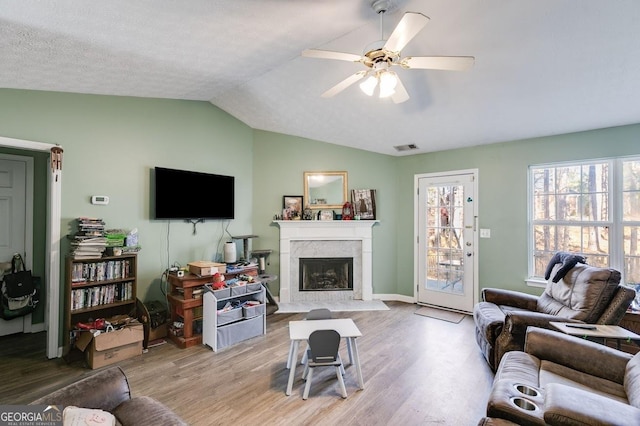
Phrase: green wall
pixel 503 169
pixel 112 143
pixel 279 164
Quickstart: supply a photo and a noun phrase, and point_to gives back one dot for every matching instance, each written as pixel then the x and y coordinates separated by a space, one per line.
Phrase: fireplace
pixel 326 273
pixel 325 239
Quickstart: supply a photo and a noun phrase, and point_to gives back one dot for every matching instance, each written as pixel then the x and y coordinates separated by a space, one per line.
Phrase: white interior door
pixel 446 240
pixel 13 213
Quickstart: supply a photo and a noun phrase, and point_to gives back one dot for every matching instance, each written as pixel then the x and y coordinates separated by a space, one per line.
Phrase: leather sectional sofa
pixel 564 380
pixel 585 294
pixel 109 391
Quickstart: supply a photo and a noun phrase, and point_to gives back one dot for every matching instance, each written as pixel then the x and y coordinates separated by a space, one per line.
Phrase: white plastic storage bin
pixel 228 328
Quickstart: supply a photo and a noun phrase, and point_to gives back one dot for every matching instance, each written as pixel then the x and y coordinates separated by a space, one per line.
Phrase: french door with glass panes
pixel 446 240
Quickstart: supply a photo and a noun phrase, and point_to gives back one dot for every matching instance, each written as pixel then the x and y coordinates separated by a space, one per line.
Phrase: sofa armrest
pixel 146 411
pixel 565 405
pixel 510 298
pixel 104 390
pixel 578 354
pixel 517 322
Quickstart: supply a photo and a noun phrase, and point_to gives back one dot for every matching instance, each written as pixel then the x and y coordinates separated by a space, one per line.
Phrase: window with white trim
pixel 590 208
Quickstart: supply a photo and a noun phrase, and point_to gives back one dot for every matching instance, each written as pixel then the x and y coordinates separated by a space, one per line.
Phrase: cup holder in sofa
pixel 526 390
pixel 524 404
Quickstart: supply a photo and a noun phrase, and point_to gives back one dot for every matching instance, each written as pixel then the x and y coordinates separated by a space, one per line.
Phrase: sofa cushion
pixel 551 372
pixel 87 416
pixel 565 405
pixel 583 294
pixel 632 380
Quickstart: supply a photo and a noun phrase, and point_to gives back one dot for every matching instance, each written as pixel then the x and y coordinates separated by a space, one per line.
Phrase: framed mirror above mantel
pixel 325 190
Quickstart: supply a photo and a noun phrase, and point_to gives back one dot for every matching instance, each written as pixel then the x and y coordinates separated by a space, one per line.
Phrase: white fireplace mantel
pixel 327 230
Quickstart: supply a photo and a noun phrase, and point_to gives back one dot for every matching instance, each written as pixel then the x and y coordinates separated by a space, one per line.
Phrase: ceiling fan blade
pixel 400 94
pixel 451 63
pixel 344 84
pixel 410 25
pixel 328 54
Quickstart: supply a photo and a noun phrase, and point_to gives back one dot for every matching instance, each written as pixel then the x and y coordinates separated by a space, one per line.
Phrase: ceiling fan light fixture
pixel 379 56
pixel 369 85
pixel 388 83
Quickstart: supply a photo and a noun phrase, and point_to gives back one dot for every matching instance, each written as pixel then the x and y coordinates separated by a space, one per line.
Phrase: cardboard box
pixel 204 268
pixel 109 348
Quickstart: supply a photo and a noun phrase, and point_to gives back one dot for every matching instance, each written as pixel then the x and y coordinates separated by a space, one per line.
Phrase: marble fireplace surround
pixel 356 236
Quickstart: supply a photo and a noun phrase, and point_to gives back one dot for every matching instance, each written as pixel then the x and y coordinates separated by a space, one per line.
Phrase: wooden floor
pixel 417 371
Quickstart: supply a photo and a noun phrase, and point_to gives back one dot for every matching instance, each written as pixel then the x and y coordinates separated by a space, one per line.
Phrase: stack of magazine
pixel 89 241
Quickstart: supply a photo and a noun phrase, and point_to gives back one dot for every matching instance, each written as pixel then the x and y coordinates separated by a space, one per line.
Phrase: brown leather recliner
pixel 585 294
pixel 565 380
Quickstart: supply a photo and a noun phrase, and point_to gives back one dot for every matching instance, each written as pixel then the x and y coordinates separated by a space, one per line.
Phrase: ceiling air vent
pixel 408 147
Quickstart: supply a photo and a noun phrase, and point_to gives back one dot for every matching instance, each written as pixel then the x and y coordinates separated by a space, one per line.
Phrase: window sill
pixel 535 282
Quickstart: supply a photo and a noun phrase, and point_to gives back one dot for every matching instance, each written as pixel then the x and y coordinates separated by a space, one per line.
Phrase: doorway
pixel 446 217
pixel 16 222
pixel 52 245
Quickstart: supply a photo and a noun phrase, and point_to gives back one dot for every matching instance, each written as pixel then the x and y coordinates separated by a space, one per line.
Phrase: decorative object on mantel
pixel 326 215
pixel 325 190
pixel 307 214
pixel 292 207
pixel 364 203
pixel 347 211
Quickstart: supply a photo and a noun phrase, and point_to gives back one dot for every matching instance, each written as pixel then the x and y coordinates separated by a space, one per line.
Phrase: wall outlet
pixel 485 233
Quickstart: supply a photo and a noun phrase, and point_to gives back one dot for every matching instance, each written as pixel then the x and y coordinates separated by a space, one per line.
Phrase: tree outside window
pixel 590 208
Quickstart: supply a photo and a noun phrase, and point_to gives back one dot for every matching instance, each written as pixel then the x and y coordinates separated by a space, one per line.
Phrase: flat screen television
pixel 182 194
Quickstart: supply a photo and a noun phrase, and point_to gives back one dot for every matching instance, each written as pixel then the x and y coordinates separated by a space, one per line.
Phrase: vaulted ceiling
pixel 542 67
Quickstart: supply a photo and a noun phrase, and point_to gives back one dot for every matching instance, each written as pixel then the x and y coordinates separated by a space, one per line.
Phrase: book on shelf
pixel 91 297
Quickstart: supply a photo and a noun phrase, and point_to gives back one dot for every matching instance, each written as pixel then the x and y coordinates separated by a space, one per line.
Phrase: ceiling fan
pixel 381 55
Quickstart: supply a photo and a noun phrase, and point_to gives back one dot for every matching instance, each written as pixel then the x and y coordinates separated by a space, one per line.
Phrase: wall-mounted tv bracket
pixel 194 222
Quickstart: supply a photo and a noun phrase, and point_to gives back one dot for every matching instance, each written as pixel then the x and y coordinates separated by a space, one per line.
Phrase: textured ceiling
pixel 542 67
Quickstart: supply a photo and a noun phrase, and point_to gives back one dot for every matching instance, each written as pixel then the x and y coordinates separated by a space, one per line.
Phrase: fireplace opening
pixel 326 273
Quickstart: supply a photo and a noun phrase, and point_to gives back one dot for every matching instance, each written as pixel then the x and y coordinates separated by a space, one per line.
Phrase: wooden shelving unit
pixel 183 306
pixel 100 287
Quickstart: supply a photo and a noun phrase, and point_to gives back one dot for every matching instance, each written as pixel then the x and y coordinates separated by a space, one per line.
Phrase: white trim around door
pixel 52 265
pixel 455 264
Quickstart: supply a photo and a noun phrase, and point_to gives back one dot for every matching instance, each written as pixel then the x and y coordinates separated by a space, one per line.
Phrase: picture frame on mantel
pixel 293 205
pixel 326 215
pixel 364 203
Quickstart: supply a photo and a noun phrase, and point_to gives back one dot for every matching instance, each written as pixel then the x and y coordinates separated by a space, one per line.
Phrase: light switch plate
pixel 485 233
